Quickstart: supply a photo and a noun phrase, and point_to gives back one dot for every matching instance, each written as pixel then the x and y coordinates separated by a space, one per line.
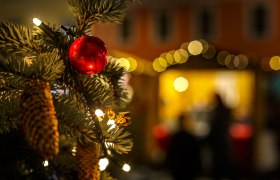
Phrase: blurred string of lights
pixel 203 48
pixel 195 48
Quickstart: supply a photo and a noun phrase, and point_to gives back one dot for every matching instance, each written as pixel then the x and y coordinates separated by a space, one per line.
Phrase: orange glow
pixel 236 86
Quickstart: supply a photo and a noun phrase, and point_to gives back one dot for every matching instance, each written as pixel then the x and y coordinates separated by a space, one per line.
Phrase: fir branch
pixel 9 103
pixel 94 91
pixel 65 163
pixel 9 81
pixel 114 73
pixel 104 175
pixel 16 39
pixel 48 66
pixel 118 140
pixel 95 94
pixel 88 12
pixel 17 65
pixel 46 43
pixel 74 122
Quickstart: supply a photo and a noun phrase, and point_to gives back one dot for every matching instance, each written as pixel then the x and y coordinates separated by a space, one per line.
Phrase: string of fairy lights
pixel 103 161
pixel 196 48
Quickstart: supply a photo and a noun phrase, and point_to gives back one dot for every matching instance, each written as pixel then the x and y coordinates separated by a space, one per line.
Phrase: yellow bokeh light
pixel 181 84
pixel 275 63
pixel 205 45
pixel 157 66
pixel 133 64
pixel 236 61
pixel 124 63
pixel 184 46
pixel 195 47
pixel 210 52
pixel 170 58
pixel 162 62
pixel 244 61
pixel 221 57
pixel 181 56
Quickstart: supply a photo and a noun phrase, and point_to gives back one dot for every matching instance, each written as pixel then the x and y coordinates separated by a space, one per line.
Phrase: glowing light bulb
pixel 111 123
pixel 74 150
pixel 103 163
pixel 46 163
pixel 126 167
pixel 99 112
pixel 37 21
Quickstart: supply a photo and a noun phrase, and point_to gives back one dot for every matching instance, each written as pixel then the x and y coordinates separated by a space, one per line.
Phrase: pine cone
pixel 87 158
pixel 38 118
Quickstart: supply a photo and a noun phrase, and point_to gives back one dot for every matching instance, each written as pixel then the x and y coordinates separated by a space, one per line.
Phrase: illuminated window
pixel 259 21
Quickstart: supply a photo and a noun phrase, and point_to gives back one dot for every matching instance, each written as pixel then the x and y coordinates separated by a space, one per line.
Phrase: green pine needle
pixel 16 39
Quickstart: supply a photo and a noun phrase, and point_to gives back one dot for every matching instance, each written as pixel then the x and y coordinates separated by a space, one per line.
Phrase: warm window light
pixel 99 112
pixel 126 167
pixel 103 163
pixel 181 84
pixel 37 21
pixel 46 163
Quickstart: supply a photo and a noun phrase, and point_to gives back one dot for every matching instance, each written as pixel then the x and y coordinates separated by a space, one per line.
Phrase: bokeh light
pixel 157 65
pixel 124 63
pixel 181 84
pixel 195 47
pixel 132 64
pixel 275 63
pixel 181 56
pixel 210 52
pixel 170 57
pixel 221 57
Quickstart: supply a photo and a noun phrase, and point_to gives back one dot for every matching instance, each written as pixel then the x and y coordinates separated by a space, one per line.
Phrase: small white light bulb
pixel 126 167
pixel 74 150
pixel 99 112
pixel 103 163
pixel 37 21
pixel 111 123
pixel 46 163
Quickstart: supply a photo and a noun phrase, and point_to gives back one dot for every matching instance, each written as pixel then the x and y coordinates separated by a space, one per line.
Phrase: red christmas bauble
pixel 88 55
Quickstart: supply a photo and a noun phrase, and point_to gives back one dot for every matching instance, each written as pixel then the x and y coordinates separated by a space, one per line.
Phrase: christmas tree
pixel 61 98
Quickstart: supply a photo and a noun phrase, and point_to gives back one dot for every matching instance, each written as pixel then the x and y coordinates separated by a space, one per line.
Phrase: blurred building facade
pixel 239 58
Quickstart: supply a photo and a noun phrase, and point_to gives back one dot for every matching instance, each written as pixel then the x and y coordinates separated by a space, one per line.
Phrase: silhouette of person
pixel 183 155
pixel 219 140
